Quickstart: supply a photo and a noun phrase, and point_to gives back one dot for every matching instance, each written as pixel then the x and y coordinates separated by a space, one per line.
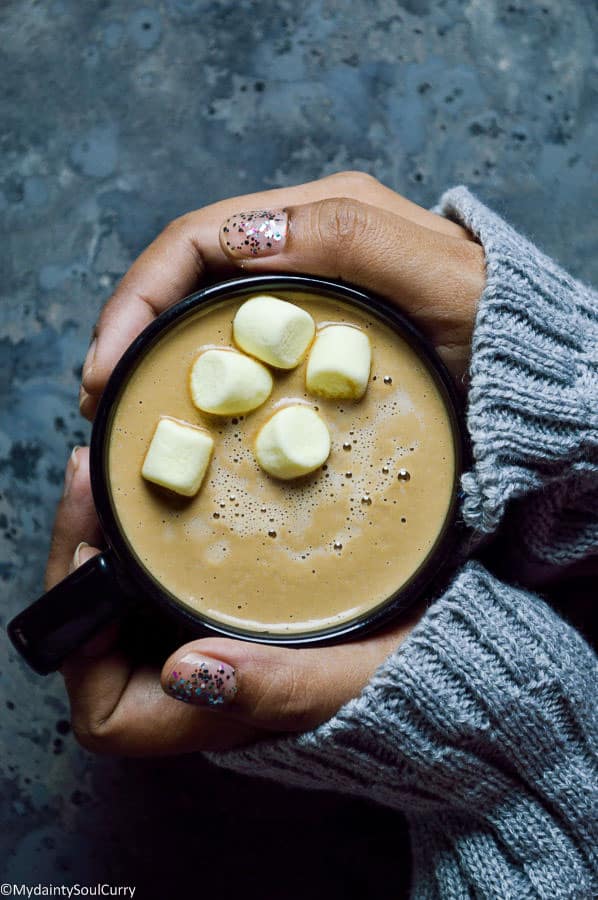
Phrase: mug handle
pixel 56 624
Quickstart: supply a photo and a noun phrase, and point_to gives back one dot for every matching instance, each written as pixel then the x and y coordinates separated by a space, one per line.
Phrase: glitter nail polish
pixel 202 681
pixel 261 232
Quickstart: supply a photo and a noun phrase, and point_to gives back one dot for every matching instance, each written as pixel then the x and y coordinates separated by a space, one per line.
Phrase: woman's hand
pixel 121 707
pixel 346 226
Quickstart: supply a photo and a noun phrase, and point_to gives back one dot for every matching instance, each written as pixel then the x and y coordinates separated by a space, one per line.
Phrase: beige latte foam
pixel 269 556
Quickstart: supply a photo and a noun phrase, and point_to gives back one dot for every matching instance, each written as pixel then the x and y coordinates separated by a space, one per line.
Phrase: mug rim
pixel 130 568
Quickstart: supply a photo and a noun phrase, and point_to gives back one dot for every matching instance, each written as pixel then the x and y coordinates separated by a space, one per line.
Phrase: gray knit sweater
pixel 482 727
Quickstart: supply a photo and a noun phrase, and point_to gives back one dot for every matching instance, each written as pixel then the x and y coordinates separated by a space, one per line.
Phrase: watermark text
pixel 8 889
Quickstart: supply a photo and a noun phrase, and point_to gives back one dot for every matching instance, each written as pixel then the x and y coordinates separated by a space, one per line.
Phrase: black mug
pixel 111 583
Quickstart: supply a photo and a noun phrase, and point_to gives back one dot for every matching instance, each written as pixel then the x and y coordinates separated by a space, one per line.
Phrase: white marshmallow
pixel 294 442
pixel 273 330
pixel 339 363
pixel 178 456
pixel 227 383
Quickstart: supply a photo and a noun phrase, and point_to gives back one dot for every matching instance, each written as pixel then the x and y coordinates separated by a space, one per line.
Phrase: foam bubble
pixel 217 552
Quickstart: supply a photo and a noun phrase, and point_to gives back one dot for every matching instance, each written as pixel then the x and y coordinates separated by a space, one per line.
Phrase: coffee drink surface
pixel 262 555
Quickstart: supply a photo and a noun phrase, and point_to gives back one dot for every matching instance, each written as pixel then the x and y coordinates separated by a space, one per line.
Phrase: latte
pixel 265 555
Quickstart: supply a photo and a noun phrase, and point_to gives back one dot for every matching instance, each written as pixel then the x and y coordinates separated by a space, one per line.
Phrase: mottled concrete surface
pixel 114 119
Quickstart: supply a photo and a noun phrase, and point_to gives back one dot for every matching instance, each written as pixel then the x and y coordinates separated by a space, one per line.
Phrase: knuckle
pixel 356 179
pixel 95 734
pixel 342 222
pixel 178 226
pixel 288 696
pixel 84 734
pixel 183 231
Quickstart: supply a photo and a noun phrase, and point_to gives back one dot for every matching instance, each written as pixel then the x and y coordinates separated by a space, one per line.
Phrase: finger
pixel 115 706
pixel 118 709
pixel 434 277
pixel 174 264
pixel 76 518
pixel 274 687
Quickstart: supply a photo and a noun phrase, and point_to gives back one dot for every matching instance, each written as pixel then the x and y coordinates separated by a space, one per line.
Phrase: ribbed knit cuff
pixel 533 400
pixel 486 714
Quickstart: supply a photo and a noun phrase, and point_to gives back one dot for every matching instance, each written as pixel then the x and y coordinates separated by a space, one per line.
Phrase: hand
pixel 346 226
pixel 119 707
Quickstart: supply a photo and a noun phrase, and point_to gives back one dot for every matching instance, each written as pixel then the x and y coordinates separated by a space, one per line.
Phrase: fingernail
pixel 70 470
pixel 202 681
pixel 261 232
pixel 76 555
pixel 88 364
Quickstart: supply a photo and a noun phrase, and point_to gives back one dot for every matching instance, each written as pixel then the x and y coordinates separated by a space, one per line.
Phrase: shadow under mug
pixel 110 584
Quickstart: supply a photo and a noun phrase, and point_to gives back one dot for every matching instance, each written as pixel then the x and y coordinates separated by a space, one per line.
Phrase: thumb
pixel 431 275
pixel 282 689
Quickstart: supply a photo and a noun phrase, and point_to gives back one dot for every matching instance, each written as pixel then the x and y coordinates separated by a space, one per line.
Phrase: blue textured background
pixel 114 119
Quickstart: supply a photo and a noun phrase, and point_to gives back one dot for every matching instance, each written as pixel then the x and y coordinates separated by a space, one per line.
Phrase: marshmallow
pixel 294 442
pixel 227 383
pixel 339 363
pixel 273 330
pixel 178 456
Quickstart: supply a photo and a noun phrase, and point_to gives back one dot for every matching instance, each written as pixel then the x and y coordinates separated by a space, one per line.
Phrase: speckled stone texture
pixel 115 118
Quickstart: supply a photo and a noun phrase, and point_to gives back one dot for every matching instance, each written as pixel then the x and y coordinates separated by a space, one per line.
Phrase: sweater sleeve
pixel 533 398
pixel 481 728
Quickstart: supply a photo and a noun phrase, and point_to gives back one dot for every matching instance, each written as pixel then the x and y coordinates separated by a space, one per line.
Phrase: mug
pixel 112 583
